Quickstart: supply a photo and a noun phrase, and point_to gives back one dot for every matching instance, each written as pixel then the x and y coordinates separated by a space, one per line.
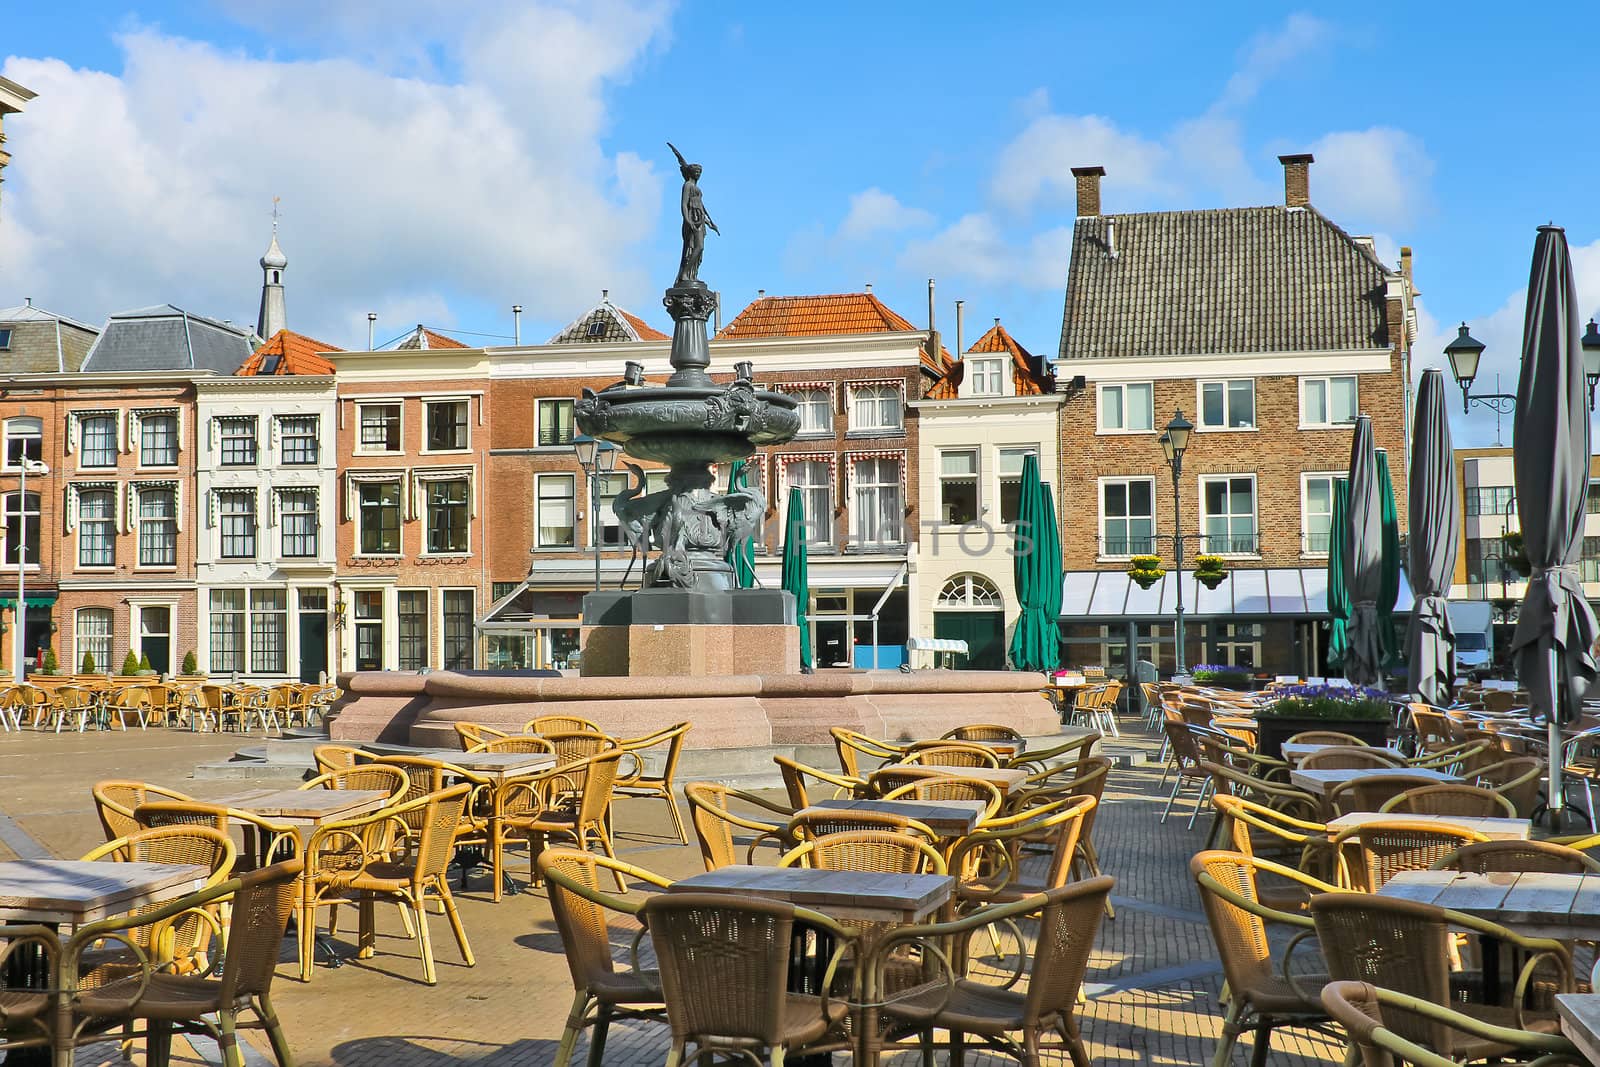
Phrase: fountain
pixel 687 644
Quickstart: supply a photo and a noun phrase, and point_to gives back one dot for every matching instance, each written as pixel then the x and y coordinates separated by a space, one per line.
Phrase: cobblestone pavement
pixel 1152 984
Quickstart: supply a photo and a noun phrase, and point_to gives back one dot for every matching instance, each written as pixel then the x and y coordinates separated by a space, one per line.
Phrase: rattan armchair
pixel 879 851
pixel 27 1016
pixel 591 780
pixel 561 724
pixel 949 754
pixel 820 822
pixel 725 977
pixel 852 747
pixel 602 993
pixel 1265 833
pixel 471 734
pixel 1373 792
pixel 1376 1020
pixel 1463 758
pixel 525 743
pixel 1068 920
pixel 657 784
pixel 133 701
pixel 1326 737
pixel 209 1003
pixel 1260 994
pixel 1039 759
pixel 1387 847
pixel 1540 856
pixel 267 841
pixel 1518 779
pixel 343 864
pixel 1350 756
pixel 715 823
pixel 799 779
pixel 1185 764
pixel 984 731
pixel 989 862
pixel 392 780
pixel 938 786
pixel 1407 945
pixel 1451 799
pixel 115 800
pixel 337 757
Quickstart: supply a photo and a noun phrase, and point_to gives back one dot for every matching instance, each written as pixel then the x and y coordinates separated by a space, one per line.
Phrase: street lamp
pixel 596 458
pixel 1174 442
pixel 1591 358
pixel 25 467
pixel 1465 351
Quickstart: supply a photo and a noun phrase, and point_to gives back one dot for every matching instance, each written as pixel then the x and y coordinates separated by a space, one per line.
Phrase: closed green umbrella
pixel 1035 567
pixel 1338 591
pixel 795 579
pixel 741 554
pixel 1389 589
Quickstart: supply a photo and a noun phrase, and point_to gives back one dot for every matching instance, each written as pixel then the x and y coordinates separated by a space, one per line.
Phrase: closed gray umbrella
pixel 1554 639
pixel 1363 532
pixel 1435 518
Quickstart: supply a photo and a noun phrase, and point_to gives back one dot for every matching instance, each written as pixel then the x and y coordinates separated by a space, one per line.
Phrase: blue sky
pixel 439 162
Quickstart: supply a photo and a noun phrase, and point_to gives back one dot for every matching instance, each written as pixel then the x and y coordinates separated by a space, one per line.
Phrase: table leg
pixel 1489 948
pixel 496 856
pixel 29 968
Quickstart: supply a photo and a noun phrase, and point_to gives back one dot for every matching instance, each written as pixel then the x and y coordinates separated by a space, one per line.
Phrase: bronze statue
pixel 695 221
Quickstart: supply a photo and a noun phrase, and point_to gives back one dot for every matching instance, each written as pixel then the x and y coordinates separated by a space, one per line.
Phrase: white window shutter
pixel 177 506
pixel 72 508
pixel 72 431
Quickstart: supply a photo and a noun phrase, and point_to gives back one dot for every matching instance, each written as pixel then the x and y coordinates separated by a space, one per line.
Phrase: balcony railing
pixel 554 435
pixel 1128 546
pixel 1316 544
pixel 1229 544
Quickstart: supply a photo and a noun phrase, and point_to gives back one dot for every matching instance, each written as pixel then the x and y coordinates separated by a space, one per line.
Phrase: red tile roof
pixel 645 331
pixel 297 354
pixel 422 337
pixel 826 315
pixel 1026 381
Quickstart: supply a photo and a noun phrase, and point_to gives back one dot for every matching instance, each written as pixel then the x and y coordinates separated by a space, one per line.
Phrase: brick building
pixel 1271 328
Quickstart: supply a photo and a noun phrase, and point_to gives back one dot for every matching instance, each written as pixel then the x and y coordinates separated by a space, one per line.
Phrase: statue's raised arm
pixel 695 221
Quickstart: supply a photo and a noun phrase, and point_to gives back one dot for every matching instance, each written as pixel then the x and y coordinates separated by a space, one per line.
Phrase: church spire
pixel 273 317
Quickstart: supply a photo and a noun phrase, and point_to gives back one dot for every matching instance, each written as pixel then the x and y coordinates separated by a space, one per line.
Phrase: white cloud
pixel 155 184
pixel 873 212
pixel 1269 52
pixel 1379 175
pixel 975 249
pixel 1036 167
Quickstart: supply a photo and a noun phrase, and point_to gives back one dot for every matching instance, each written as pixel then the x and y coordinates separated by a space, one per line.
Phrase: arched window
pixel 24 438
pixel 970 591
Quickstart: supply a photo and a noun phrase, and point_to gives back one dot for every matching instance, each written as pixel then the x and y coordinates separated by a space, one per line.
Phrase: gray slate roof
pixel 164 337
pixel 42 342
pixel 1235 280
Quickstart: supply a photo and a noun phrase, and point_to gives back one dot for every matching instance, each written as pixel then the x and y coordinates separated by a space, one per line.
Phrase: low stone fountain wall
pixel 728 711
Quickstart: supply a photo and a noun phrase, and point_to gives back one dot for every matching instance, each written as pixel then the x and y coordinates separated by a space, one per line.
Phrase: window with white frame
pixel 1127 407
pixel 986 377
pixel 446 422
pixel 1127 516
pixel 814 479
pixel 378 427
pixel 158 525
pixel 297 439
pixel 875 408
pixel 22 528
pixel 369 629
pixel 556 510
pixel 236 435
pixel 877 515
pixel 411 619
pixel 555 421
pixel 1329 401
pixel 158 440
pixel 24 438
pixel 958 486
pixel 1011 460
pixel 97 527
pixel 97 439
pixel 1316 511
pixel 455 606
pixel 236 524
pixel 91 636
pixel 297 523
pixel 1228 405
pixel 816 408
pixel 610 526
pixel 1228 514
pixel 269 631
pixel 970 591
pixel 378 515
pixel 227 630
pixel 447 512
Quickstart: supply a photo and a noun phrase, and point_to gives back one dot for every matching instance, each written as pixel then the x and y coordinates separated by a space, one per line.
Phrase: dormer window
pixel 986 376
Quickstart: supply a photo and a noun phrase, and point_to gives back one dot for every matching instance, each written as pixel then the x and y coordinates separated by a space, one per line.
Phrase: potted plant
pixel 145 670
pixel 88 666
pixel 130 665
pixel 1361 712
pixel 1146 570
pixel 1515 552
pixel 1221 676
pixel 191 667
pixel 52 666
pixel 1210 571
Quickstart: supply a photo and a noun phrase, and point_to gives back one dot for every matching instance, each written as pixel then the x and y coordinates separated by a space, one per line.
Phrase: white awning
pixel 1290 592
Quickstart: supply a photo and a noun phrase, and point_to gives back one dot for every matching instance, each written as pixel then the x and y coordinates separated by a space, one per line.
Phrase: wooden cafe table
pixel 1323 780
pixel 877 899
pixel 1493 828
pixel 1004 779
pixel 1580 1021
pixel 499 769
pixel 947 818
pixel 1294 751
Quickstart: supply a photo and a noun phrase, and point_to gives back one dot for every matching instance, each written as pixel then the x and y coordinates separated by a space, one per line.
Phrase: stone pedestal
pixel 686 632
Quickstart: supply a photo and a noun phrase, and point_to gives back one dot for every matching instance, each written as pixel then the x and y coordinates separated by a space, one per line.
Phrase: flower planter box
pixel 1272 731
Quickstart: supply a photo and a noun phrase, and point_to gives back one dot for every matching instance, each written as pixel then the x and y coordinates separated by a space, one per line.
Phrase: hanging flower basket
pixel 1146 570
pixel 1210 571
pixel 1516 552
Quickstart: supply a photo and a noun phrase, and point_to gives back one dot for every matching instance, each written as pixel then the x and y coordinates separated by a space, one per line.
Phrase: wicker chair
pixel 1266 833
pixel 1068 919
pixel 363 776
pixel 341 865
pixel 940 787
pixel 1260 994
pixel 658 785
pixel 1518 779
pixel 949 754
pixel 879 851
pixel 1364 936
pixel 27 1016
pixel 852 746
pixel 1326 737
pixel 815 823
pixel 984 731
pixel 71 702
pixel 1451 799
pixel 554 724
pixel 725 970
pixel 1463 758
pixel 1372 793
pixel 1431 728
pixel 1039 759
pixel 526 743
pixel 261 904
pixel 1185 764
pixel 989 862
pixel 471 734
pixel 1349 757
pixel 134 700
pixel 1372 1016
pixel 267 841
pixel 1385 848
pixel 715 822
pixel 1540 856
pixel 592 780
pixel 798 778
pixel 601 992
pixel 115 801
pixel 337 757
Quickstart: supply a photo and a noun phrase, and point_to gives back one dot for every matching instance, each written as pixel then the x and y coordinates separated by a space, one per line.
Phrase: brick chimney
pixel 1088 190
pixel 1297 179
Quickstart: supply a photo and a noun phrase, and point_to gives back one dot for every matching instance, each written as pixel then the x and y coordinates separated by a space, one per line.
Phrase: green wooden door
pixel 983 631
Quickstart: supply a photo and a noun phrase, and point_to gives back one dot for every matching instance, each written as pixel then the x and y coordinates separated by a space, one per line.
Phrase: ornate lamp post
pixel 1174 442
pixel 1591 358
pixel 596 458
pixel 25 467
pixel 1464 352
